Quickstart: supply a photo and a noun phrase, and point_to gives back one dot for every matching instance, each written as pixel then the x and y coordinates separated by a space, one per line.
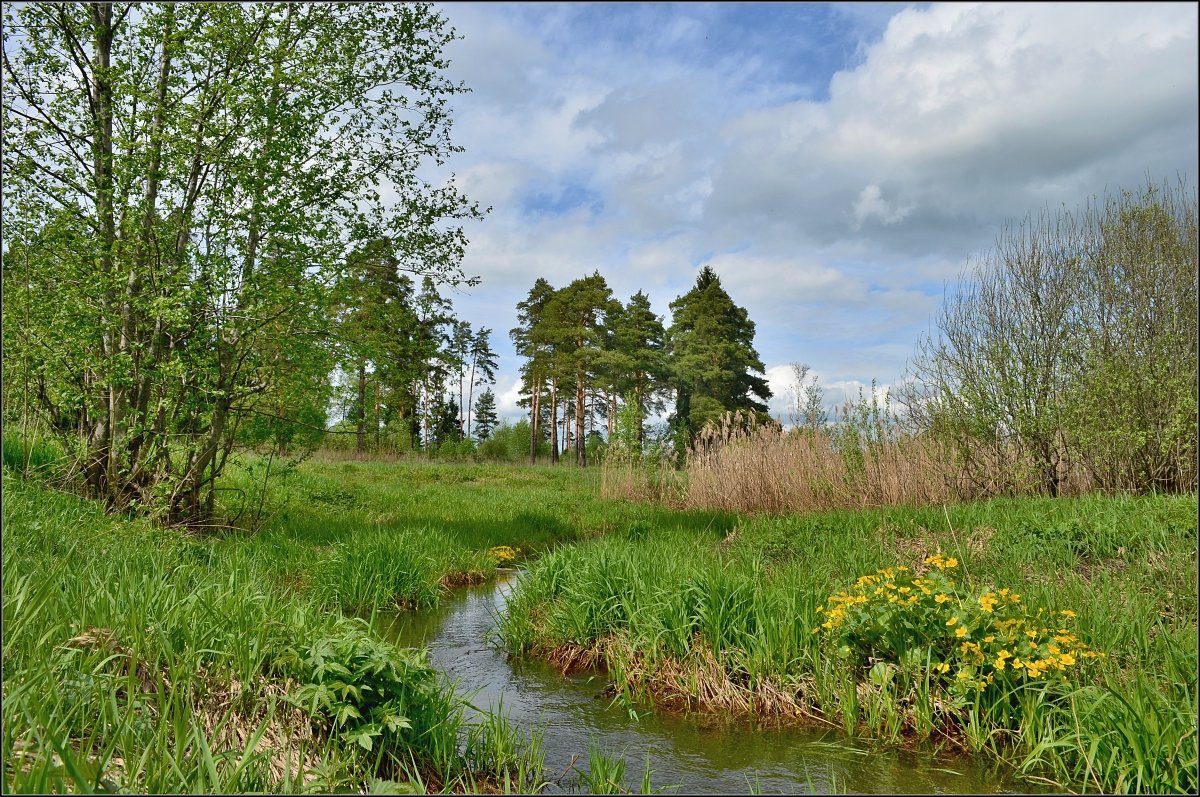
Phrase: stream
pixel 687 753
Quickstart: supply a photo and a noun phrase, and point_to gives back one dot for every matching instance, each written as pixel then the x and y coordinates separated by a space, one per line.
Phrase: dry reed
pixel 746 466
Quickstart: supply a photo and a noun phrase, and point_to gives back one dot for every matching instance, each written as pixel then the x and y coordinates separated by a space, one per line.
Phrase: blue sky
pixel 837 165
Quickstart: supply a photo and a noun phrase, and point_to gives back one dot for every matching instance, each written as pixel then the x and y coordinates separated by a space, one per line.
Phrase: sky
pixel 838 166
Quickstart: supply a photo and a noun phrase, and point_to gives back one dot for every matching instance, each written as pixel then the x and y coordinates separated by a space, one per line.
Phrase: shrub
pixel 969 642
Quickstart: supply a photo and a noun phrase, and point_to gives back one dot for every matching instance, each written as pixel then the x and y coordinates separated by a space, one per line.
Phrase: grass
pixel 146 659
pixel 725 622
pixel 139 658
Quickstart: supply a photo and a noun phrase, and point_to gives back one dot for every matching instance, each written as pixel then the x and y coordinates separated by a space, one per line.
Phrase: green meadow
pixel 242 659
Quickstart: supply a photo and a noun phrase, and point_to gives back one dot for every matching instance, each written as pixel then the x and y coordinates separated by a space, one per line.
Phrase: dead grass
pixel 235 718
pixel 741 465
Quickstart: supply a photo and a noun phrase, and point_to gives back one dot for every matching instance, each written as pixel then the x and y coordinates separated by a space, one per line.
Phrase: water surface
pixel 687 752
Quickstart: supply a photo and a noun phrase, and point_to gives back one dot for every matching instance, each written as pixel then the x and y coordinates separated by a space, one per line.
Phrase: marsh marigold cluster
pixel 969 640
pixel 503 553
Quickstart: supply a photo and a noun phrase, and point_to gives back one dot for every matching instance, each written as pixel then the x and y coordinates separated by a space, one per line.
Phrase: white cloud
pixel 834 216
pixel 870 203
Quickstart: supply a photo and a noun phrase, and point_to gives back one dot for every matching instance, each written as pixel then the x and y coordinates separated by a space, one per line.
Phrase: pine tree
pixel 534 373
pixel 483 366
pixel 715 368
pixel 485 415
pixel 637 360
pixel 574 327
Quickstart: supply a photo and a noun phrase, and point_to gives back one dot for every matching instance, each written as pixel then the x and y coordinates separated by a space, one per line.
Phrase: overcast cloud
pixel 836 165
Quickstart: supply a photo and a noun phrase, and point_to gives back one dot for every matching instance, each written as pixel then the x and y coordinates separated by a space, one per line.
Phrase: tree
pixel 636 359
pixel 485 415
pixel 809 411
pixel 483 366
pixel 573 326
pixel 458 351
pixel 534 372
pixel 378 334
pixel 1070 347
pixel 714 366
pixel 182 182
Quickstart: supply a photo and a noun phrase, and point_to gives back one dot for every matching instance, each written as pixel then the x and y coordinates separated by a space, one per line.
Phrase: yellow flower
pixel 1067 659
pixel 905 590
pixel 504 552
pixel 1003 654
pixel 941 597
pixel 952 621
pixel 961 632
pixel 1067 613
pixel 942 667
pixel 951 562
pixel 998 664
pixel 989 638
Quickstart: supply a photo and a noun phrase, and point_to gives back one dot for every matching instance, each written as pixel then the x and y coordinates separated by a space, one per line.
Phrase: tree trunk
pixel 553 422
pixel 101 467
pixel 611 405
pixel 362 407
pixel 377 425
pixel 638 391
pixel 580 405
pixel 535 419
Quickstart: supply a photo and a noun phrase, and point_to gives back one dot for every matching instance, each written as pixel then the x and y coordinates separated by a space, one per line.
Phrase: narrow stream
pixel 686 752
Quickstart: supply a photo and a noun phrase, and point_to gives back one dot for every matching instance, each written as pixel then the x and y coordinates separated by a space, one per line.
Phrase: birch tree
pixel 182 183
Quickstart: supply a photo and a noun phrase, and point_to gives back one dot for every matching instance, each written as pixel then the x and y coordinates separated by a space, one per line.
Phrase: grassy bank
pixel 734 622
pixel 142 659
pixel 239 659
pixel 359 534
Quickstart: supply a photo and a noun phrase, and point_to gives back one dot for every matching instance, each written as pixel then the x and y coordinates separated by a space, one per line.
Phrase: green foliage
pixel 170 281
pixel 369 692
pixel 510 443
pixel 36 455
pixel 379 568
pixel 726 620
pixel 485 415
pixel 1066 359
pixel 714 367
pixel 146 660
pixel 573 327
pixel 964 643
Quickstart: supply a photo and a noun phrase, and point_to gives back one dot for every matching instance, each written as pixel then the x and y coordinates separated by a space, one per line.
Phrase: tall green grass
pixel 726 623
pixel 138 658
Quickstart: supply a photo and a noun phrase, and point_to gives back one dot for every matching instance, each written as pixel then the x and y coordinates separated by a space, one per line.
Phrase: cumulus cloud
pixel 837 165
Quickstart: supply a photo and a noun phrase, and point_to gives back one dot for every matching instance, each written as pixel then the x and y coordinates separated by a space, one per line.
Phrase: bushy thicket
pixel 1067 358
